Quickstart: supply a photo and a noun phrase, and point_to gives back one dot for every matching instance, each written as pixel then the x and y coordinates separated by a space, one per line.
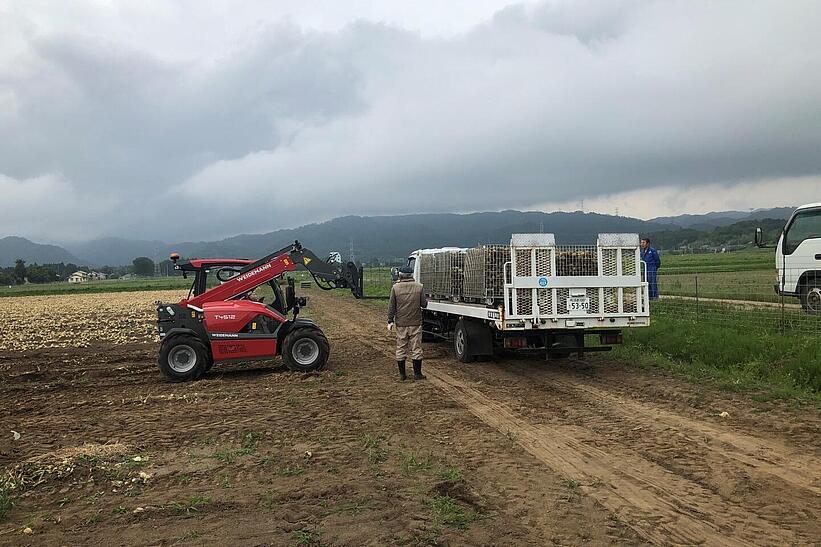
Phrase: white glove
pixel 390 327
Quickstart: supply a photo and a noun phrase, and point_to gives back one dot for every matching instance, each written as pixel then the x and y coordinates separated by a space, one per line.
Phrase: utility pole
pixel 582 205
pixel 352 258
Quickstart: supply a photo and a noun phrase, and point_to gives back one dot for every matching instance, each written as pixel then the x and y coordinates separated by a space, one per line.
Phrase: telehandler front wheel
pixel 183 358
pixel 305 349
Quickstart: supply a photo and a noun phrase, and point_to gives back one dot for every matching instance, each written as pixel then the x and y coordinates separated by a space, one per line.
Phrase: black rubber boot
pixel 417 370
pixel 402 375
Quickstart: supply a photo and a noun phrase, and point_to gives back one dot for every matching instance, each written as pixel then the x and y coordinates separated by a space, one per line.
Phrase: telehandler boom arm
pixel 327 275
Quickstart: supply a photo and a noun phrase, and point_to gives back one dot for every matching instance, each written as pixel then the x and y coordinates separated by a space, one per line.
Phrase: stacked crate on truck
pixel 484 273
pixel 442 274
pixel 534 295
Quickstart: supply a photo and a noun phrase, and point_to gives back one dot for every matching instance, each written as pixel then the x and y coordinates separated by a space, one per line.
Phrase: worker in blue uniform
pixel 652 259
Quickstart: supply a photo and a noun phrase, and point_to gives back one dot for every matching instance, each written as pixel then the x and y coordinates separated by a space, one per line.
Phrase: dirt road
pixel 512 452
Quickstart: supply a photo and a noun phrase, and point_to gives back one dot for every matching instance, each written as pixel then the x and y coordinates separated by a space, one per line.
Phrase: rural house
pixel 78 277
pixel 83 277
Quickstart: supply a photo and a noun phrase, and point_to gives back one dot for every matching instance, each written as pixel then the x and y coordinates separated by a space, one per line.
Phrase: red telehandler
pixel 223 324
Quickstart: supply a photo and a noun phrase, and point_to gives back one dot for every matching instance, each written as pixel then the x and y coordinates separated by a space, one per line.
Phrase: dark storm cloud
pixel 542 103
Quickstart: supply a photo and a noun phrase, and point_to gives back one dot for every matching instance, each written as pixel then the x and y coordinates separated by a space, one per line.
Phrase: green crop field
pixel 741 275
pixel 754 285
pixel 739 349
pixel 110 285
pixel 737 261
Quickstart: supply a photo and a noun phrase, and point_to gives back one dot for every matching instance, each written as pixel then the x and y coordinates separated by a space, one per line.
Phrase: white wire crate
pixel 484 267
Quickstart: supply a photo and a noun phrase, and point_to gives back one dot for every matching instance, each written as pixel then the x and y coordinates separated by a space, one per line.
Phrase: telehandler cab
pixel 222 324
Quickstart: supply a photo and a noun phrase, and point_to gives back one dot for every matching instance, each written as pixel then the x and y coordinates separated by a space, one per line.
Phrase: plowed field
pixel 508 452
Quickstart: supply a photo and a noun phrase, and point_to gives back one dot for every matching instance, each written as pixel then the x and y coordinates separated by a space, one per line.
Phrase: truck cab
pixel 798 257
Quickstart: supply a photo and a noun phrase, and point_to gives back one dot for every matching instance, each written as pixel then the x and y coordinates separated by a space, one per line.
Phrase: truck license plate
pixel 578 304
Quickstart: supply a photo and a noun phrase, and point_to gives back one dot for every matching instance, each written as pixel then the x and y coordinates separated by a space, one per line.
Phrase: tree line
pixel 737 235
pixel 22 273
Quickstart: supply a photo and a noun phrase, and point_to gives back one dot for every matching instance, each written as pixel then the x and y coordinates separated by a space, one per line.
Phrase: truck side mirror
pixel 759 237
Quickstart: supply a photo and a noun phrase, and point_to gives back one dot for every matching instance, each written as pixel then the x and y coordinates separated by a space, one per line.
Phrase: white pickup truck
pixel 798 257
pixel 533 296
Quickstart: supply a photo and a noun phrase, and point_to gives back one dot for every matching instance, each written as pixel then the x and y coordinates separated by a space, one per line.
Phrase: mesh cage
pixel 524 298
pixel 543 262
pixel 609 262
pixel 561 301
pixel 441 274
pixel 629 262
pixel 593 295
pixel 544 300
pixel 523 263
pixel 427 272
pixel 577 260
pixel 611 300
pixel 483 272
pixel 630 301
pixel 453 278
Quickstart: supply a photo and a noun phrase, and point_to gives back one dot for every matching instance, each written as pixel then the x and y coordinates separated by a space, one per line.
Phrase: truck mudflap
pixel 481 338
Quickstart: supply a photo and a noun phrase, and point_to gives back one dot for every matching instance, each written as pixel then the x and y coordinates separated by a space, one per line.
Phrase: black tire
pixel 557 347
pixel 183 358
pixel 461 343
pixel 305 349
pixel 811 296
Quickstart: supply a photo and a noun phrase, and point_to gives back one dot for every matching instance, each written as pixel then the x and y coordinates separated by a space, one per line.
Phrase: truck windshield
pixel 805 225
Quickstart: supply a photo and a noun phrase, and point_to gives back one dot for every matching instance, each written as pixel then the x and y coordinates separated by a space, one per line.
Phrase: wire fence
pixel 742 299
pixel 377 282
pixel 739 300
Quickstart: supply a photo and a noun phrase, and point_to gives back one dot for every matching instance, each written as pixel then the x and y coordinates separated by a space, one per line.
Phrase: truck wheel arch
pixel 809 281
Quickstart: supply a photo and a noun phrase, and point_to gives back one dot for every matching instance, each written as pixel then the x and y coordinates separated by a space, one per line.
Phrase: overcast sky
pixel 199 120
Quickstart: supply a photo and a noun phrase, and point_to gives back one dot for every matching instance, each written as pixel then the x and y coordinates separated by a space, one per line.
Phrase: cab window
pixel 805 225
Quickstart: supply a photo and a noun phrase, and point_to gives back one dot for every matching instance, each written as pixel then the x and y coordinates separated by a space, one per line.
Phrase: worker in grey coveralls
pixel 405 310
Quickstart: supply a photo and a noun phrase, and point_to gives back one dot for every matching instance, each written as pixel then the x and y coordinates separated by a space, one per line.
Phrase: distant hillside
pixel 12 248
pixel 115 251
pixel 394 236
pixel 723 218
pixel 390 237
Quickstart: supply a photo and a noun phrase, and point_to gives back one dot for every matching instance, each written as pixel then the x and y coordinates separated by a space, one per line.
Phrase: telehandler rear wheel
pixel 183 358
pixel 305 349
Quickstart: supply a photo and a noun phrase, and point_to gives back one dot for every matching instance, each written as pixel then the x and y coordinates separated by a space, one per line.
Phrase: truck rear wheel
pixel 305 350
pixel 559 346
pixel 461 343
pixel 811 296
pixel 183 358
